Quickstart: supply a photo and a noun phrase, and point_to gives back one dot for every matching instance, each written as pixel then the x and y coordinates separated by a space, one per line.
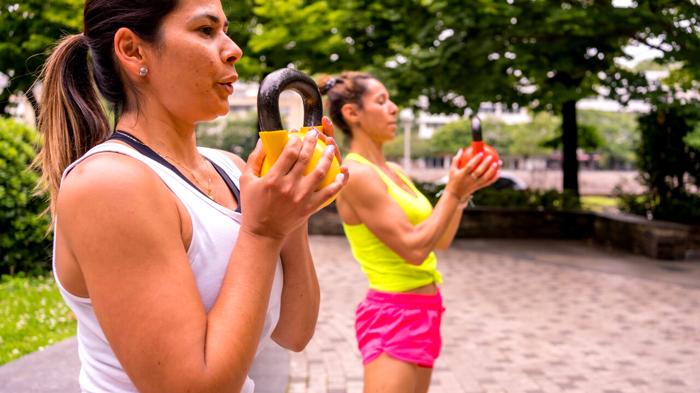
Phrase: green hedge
pixel 550 200
pixel 24 244
pixel 669 165
pixel 683 208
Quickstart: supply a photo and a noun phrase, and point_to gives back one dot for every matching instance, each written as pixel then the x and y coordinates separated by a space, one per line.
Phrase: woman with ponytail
pixel 177 260
pixel 392 230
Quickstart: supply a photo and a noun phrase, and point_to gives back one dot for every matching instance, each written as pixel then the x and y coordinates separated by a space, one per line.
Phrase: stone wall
pixel 656 239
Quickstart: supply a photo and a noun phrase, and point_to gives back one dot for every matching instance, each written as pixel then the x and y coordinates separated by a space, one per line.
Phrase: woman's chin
pixel 215 114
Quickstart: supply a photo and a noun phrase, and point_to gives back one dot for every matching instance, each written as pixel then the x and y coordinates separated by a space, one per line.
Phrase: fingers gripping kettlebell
pixel 275 138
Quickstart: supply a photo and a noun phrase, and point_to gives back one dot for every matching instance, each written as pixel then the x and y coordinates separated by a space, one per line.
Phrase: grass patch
pixel 598 203
pixel 34 316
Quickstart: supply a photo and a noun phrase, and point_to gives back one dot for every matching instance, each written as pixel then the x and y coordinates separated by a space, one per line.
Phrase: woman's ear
pixel 351 114
pixel 130 52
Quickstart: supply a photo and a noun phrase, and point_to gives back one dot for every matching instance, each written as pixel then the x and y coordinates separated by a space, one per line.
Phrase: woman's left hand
pixel 327 135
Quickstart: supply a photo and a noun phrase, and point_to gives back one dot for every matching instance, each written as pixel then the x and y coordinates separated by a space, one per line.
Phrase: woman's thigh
pixel 423 375
pixel 388 375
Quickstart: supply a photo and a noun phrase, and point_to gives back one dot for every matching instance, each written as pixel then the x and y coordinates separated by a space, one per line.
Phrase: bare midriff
pixel 429 289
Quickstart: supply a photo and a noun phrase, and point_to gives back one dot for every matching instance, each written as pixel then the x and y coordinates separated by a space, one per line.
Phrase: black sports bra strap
pixel 231 185
pixel 150 153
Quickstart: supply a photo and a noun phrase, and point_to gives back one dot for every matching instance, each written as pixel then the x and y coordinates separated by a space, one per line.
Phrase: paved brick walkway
pixel 528 317
pixel 522 317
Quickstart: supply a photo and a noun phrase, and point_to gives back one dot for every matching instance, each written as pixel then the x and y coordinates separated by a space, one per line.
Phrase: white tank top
pixel 214 234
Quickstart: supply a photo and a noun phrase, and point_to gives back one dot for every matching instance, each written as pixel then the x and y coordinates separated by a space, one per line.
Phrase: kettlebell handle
pixel 269 94
pixel 476 129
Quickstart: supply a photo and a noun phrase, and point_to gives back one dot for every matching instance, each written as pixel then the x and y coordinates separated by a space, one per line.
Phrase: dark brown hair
pixel 346 88
pixel 71 117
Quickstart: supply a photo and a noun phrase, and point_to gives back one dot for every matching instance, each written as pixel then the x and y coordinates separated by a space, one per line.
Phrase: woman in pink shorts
pixel 393 229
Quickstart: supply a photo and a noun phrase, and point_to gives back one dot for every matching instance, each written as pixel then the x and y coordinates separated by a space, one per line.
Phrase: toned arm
pixel 300 292
pixel 367 196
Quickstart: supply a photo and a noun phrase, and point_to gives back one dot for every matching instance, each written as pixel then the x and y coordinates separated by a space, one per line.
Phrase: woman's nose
pixel 231 52
pixel 393 109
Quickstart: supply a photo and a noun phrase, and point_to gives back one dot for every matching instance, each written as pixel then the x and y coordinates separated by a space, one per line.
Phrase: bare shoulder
pixel 109 184
pixel 363 183
pixel 396 168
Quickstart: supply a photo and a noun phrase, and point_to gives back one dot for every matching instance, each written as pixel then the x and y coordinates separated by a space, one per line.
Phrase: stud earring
pixel 143 71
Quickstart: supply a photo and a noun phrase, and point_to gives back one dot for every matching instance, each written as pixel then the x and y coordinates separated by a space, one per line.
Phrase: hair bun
pixel 325 83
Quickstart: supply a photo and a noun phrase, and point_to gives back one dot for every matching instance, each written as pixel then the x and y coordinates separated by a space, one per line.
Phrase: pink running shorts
pixel 405 326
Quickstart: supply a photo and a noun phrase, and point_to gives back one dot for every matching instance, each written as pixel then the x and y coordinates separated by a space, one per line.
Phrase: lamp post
pixel 406 117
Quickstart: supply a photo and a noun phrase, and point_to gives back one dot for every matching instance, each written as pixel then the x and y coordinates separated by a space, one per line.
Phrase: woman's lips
pixel 228 87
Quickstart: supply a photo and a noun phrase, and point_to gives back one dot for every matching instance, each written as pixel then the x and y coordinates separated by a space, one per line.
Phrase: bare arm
pixel 367 196
pixel 450 231
pixel 448 234
pixel 300 291
pixel 300 294
pixel 122 226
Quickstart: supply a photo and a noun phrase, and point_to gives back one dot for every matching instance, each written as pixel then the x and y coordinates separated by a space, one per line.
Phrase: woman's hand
pixel 284 198
pixel 327 135
pixel 479 172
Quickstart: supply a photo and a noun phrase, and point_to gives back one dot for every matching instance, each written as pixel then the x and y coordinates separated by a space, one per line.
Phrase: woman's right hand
pixel 283 199
pixel 479 172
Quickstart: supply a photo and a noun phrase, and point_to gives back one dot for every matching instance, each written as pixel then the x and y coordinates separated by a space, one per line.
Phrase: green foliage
pixel 589 138
pixel 34 316
pixel 419 147
pixel 669 166
pixel 237 135
pixel 544 54
pixel 546 200
pixel 613 134
pixel 685 208
pixel 24 244
pixel 307 34
pixel 619 132
pixel 522 140
pixel 693 138
pixel 667 163
pixel 598 203
pixel 28 29
pixel 549 200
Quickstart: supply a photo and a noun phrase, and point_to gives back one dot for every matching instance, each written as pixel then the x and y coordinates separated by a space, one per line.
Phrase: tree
pixel 305 34
pixel 29 28
pixel 543 53
pixel 550 53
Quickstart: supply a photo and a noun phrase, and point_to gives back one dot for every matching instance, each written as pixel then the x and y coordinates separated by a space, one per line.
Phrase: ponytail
pixel 71 116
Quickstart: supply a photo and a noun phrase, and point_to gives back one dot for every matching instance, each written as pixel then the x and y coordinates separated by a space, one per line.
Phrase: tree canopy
pixel 29 28
pixel 546 54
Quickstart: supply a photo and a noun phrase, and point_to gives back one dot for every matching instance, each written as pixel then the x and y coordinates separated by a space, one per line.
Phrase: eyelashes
pixel 206 30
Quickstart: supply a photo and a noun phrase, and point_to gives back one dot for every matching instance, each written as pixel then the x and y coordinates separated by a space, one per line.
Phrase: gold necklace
pixel 209 191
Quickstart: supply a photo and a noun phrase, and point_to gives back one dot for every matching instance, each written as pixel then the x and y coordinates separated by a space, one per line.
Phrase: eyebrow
pixel 212 18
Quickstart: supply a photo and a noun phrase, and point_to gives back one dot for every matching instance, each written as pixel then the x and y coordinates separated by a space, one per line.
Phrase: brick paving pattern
pixel 527 317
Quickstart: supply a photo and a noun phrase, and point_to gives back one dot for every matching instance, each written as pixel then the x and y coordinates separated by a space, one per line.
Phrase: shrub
pixel 684 208
pixel 24 244
pixel 669 164
pixel 530 199
pixel 235 135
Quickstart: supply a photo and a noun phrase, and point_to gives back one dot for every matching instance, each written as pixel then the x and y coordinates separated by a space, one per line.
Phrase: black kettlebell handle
pixel 269 96
pixel 476 129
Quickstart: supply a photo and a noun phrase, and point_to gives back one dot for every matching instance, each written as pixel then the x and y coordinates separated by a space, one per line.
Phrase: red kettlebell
pixel 477 146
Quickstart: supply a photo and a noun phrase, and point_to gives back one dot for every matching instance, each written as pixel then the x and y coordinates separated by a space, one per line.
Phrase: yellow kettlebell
pixel 273 137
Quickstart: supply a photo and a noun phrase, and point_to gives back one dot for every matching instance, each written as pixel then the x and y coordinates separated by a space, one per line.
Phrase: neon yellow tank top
pixel 386 271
